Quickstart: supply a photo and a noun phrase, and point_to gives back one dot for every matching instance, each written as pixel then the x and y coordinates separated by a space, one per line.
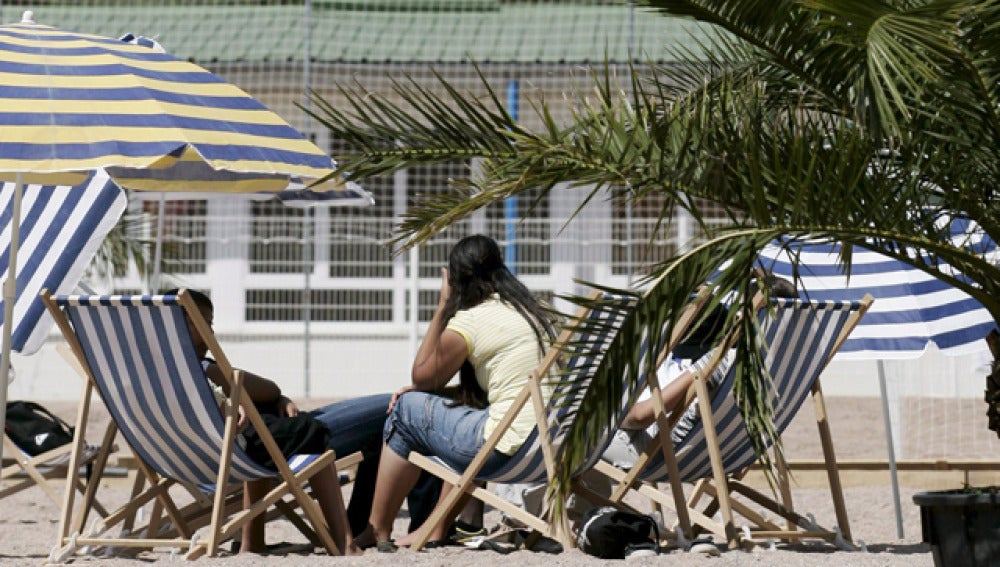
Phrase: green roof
pixel 351 31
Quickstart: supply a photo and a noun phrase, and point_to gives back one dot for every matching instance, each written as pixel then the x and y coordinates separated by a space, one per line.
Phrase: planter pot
pixel 963 528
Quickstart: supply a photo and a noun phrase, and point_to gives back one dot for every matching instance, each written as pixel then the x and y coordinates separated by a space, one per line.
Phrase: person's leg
pixel 415 416
pixel 396 476
pixel 429 425
pixel 326 488
pixel 356 425
pixel 253 531
pixel 422 498
pixel 472 513
pixel 440 531
pixel 362 491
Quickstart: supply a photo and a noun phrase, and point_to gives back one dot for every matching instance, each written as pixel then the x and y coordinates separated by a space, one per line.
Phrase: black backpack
pixel 35 429
pixel 607 532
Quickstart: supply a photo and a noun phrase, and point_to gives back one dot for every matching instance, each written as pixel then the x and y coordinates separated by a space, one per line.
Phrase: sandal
pixel 434 544
pixel 384 546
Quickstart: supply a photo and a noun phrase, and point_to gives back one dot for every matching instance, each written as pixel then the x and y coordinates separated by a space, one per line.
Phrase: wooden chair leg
pixel 829 456
pixel 94 477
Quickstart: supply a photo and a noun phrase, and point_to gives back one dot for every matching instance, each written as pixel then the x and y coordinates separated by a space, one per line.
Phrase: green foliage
pixel 851 121
pixel 120 247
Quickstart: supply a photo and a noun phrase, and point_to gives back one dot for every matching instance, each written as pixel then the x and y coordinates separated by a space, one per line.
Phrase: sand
pixel 28 523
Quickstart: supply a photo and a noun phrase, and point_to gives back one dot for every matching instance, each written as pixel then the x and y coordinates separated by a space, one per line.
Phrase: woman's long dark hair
pixel 476 270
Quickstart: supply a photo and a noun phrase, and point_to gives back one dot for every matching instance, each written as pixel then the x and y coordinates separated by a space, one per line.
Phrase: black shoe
pixel 387 546
pixel 463 532
pixel 644 549
pixel 434 544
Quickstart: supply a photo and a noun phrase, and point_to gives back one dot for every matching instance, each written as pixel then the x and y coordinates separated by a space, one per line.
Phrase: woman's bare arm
pixel 442 351
pixel 642 414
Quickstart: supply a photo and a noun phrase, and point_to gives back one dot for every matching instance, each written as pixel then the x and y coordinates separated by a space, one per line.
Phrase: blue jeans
pixel 427 424
pixel 356 425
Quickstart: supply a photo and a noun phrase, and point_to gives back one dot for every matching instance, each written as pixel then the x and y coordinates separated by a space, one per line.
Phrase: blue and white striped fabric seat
pixel 585 350
pixel 149 376
pixel 797 341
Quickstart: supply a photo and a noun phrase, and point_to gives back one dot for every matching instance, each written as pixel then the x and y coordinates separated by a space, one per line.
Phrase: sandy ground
pixel 28 523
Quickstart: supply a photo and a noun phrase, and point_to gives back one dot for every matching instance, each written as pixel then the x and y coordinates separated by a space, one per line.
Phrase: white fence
pixel 315 301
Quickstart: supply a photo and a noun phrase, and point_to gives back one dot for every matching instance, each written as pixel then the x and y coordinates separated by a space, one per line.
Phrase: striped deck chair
pixel 798 340
pixel 581 344
pixel 139 356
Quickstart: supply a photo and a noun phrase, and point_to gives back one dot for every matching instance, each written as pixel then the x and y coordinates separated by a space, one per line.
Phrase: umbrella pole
pixel 158 246
pixel 894 476
pixel 9 295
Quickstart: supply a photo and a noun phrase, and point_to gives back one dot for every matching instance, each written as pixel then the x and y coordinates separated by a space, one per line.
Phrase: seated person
pixel 294 433
pixel 356 424
pixel 490 329
pixel 638 427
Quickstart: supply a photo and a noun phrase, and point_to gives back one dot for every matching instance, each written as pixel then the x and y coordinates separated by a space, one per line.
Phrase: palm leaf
pixel 851 121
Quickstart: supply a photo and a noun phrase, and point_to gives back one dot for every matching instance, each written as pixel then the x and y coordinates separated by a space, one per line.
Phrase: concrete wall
pixel 364 365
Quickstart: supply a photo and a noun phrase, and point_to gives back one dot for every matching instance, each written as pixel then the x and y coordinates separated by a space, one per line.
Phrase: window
pixel 281 239
pixel 327 305
pixel 184 229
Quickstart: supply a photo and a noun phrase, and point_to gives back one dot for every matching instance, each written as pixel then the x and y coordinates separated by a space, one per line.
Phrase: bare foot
pixel 351 548
pixel 408 539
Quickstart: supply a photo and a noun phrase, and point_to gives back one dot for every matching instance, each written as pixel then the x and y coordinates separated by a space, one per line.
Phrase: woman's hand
pixel 397 394
pixel 241 418
pixel 287 407
pixel 445 288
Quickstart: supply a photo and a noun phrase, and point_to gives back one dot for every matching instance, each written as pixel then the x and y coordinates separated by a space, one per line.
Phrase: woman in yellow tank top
pixel 492 331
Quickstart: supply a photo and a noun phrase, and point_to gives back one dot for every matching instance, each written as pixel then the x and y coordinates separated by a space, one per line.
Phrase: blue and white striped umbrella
pixel 911 308
pixel 62 228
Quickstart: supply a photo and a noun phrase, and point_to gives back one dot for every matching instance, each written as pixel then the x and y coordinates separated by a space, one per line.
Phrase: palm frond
pixel 425 127
pixel 849 121
pixel 121 248
pixel 620 370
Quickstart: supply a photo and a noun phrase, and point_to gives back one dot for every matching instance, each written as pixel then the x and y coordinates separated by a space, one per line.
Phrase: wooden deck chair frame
pixel 722 484
pixel 197 513
pixel 466 483
pixel 55 463
pixel 27 471
pixel 221 523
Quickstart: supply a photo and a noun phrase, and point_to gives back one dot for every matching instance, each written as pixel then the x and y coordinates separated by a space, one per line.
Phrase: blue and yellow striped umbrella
pixel 71 103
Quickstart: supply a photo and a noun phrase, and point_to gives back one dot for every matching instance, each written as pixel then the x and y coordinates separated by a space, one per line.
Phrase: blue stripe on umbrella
pixel 131 93
pixel 109 70
pixel 14 151
pixel 147 121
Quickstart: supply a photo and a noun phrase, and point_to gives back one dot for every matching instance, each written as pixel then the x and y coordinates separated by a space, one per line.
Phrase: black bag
pixel 299 435
pixel 608 532
pixel 35 429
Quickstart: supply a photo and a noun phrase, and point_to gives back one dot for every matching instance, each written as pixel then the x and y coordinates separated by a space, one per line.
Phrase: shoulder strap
pixel 45 411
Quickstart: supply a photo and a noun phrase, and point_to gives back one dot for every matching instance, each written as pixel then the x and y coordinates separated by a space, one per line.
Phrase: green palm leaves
pixel 847 120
